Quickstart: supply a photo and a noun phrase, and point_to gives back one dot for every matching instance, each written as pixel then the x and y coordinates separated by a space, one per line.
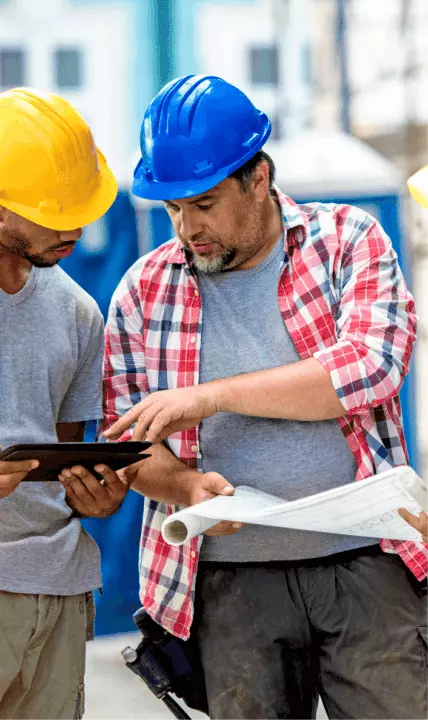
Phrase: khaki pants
pixel 42 655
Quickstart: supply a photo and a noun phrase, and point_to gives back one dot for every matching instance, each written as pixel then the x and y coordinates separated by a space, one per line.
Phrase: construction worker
pixel 265 345
pixel 53 182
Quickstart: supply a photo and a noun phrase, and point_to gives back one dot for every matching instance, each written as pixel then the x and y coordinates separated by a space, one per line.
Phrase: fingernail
pixel 236 526
pixel 100 468
pixel 66 473
pixel 34 464
pixel 228 489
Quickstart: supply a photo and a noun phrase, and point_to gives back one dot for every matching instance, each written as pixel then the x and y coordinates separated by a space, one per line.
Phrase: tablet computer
pixel 55 457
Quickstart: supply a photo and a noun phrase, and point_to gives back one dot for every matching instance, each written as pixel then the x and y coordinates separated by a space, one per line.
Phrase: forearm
pixel 162 477
pixel 299 391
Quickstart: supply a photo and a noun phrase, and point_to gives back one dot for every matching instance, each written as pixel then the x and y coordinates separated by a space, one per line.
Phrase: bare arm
pixel 162 477
pixel 300 391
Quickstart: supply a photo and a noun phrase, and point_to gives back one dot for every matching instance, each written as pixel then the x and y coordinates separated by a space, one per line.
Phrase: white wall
pixel 224 33
pixel 378 57
pixel 102 33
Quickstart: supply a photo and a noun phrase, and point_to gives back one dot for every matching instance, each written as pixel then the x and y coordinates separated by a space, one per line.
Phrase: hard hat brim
pixel 80 215
pixel 418 186
pixel 178 190
pixel 153 190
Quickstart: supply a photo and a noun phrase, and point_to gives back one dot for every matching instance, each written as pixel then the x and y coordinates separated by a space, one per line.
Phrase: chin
pixel 39 262
pixel 208 265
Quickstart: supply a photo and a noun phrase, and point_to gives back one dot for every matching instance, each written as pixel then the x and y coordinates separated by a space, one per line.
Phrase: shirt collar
pixel 292 220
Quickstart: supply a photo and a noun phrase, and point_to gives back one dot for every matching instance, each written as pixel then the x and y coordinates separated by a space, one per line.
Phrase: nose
pixel 190 225
pixel 70 235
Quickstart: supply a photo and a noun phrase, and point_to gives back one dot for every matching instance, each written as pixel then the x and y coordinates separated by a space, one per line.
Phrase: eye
pixel 172 208
pixel 204 207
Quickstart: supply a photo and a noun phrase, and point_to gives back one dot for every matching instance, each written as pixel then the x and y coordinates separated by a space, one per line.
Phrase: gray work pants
pixel 350 628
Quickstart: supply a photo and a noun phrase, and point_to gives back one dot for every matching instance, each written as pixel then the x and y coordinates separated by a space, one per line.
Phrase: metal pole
pixel 163 41
pixel 342 53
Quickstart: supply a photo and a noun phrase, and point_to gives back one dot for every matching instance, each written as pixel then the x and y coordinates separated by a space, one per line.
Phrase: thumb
pixel 215 484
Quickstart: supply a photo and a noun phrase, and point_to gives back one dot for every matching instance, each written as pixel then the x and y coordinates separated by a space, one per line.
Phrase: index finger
pixel 125 422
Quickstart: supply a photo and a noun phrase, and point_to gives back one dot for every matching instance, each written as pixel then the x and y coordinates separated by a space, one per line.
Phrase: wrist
pixel 184 481
pixel 218 394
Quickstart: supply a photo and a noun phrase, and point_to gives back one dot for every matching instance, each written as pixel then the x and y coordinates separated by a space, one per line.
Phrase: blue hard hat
pixel 196 131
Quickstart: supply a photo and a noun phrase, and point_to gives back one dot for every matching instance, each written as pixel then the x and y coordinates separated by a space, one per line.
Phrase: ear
pixel 260 181
pixel 3 213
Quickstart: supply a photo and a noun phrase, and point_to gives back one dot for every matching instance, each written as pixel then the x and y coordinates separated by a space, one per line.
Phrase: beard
pixel 219 263
pixel 19 245
pixel 251 239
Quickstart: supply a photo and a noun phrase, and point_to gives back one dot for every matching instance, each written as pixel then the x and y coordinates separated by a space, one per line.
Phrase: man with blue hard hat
pixel 279 336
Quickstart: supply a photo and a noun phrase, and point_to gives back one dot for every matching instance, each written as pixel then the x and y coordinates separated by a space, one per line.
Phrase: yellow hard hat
pixel 418 186
pixel 51 171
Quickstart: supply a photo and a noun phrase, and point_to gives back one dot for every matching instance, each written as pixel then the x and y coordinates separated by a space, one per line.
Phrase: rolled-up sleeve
pixel 376 322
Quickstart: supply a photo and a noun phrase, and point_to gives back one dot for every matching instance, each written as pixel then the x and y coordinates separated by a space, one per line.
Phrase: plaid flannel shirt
pixel 344 301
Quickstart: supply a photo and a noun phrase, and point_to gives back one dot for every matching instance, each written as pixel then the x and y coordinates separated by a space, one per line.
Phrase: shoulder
pixel 346 220
pixel 154 269
pixel 72 297
pixel 70 290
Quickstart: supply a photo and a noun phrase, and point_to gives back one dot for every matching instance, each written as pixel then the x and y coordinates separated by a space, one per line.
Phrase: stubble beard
pixel 20 246
pixel 230 258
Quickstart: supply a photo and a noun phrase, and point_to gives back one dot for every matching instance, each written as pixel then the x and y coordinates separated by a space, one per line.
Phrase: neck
pixel 14 271
pixel 273 229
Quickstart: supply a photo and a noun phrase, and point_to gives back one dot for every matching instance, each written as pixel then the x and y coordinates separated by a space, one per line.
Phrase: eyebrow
pixel 200 198
pixel 204 198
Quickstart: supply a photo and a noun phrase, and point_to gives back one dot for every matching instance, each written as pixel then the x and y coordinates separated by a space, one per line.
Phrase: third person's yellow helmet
pixel 418 186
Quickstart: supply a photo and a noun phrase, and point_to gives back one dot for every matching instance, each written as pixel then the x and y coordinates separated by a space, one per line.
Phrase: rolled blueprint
pixel 366 508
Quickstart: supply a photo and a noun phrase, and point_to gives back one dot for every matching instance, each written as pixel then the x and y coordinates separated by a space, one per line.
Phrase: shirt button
pixel 193 340
pixel 194 448
pixel 193 554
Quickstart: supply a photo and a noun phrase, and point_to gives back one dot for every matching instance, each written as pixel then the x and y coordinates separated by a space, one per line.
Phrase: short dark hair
pixel 244 174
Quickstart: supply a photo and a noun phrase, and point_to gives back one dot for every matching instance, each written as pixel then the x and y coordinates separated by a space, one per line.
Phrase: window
pixel 68 68
pixel 12 67
pixel 264 65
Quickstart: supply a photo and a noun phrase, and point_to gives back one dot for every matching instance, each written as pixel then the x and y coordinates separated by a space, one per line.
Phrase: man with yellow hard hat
pixel 53 181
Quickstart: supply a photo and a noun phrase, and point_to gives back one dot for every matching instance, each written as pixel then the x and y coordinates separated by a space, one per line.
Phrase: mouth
pixel 65 250
pixel 202 248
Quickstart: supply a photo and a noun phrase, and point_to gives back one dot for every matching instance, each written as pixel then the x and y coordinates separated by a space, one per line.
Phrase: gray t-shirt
pixel 243 331
pixel 50 371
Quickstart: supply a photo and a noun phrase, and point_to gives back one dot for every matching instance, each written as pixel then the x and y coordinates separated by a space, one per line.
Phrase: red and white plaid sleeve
pixel 376 317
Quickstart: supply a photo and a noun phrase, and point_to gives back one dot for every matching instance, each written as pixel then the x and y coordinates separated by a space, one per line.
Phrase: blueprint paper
pixel 366 508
